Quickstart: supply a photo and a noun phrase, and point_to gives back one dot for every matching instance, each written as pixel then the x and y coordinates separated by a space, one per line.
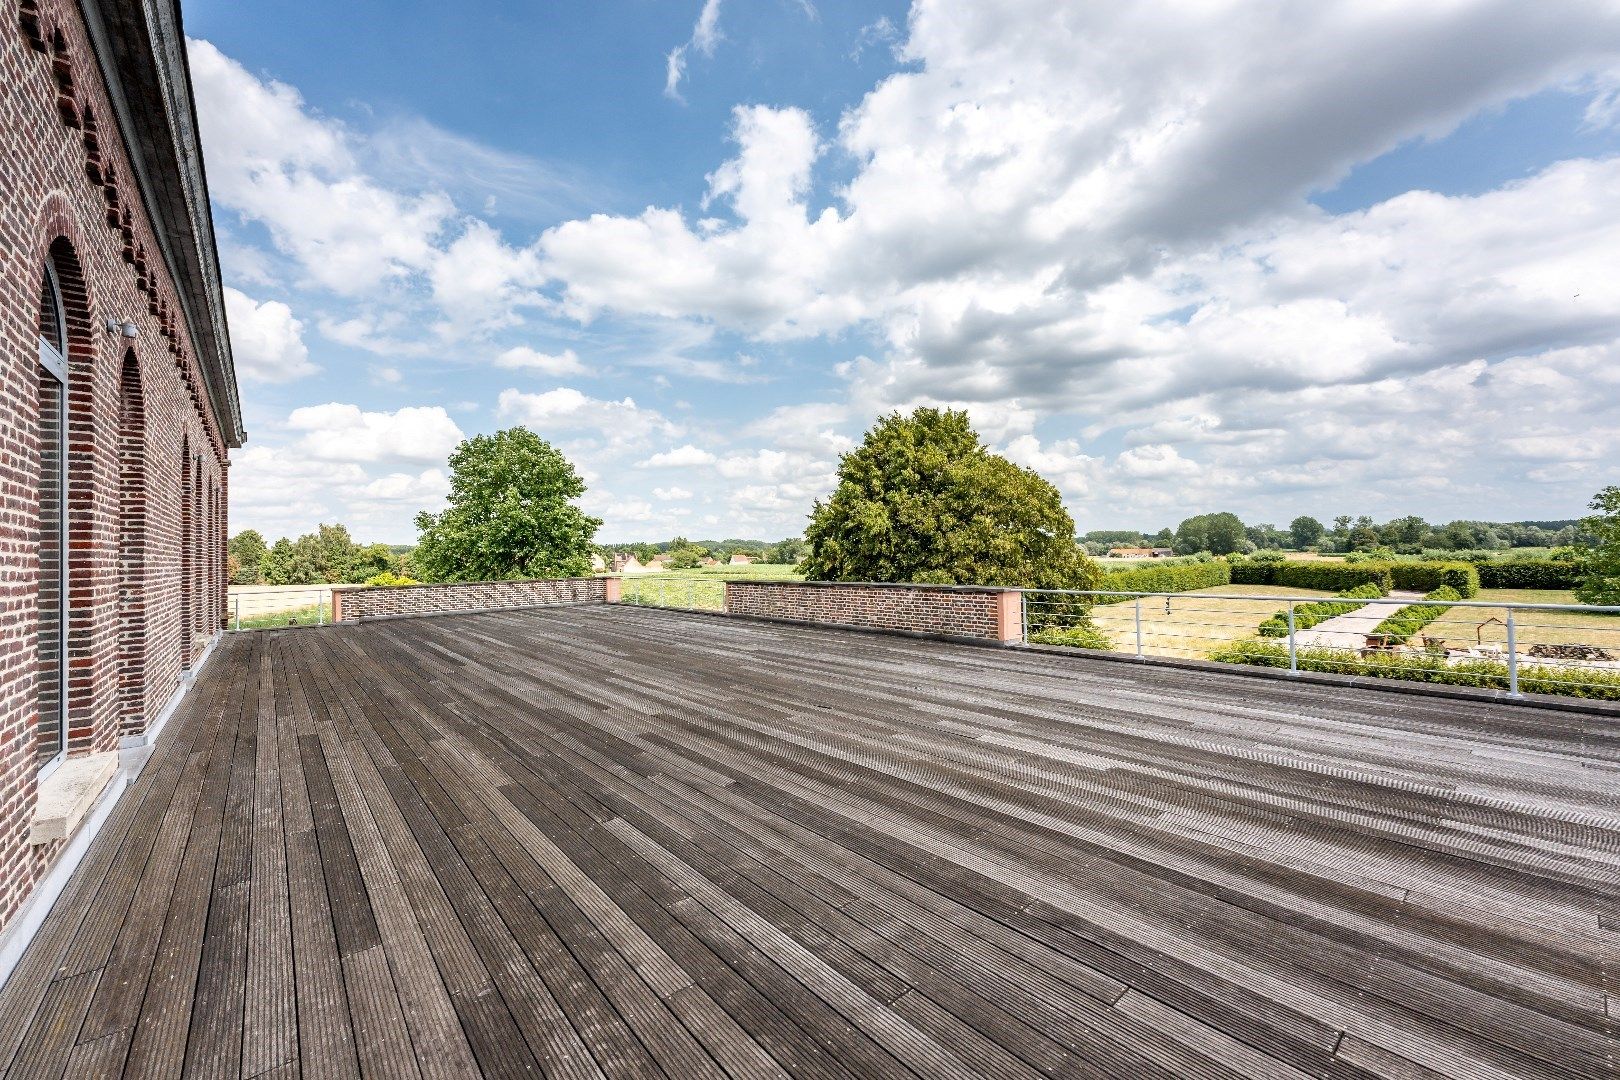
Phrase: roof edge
pixel 140 49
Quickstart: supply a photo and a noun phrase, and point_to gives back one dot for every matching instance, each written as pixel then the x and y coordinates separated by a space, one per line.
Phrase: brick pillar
pixel 1010 618
pixel 612 589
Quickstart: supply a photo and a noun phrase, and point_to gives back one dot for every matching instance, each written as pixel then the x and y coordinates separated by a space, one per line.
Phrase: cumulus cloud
pixel 1090 226
pixel 266 341
pixel 672 494
pixel 524 358
pixel 309 181
pixel 1100 213
pixel 347 433
pixel 682 457
pixel 566 410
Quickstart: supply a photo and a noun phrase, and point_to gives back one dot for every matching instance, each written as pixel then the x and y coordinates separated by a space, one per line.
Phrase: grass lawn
pixel 1461 627
pixel 1194 626
pixel 703 587
pixel 304 616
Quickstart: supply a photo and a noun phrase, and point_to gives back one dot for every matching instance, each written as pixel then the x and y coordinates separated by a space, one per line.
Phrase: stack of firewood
pixel 1569 652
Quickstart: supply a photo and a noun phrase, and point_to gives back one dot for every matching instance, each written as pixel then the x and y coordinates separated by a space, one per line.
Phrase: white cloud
pixel 672 494
pixel 1155 462
pixel 618 423
pixel 346 433
pixel 266 341
pixel 271 160
pixel 524 358
pixel 682 457
pixel 705 36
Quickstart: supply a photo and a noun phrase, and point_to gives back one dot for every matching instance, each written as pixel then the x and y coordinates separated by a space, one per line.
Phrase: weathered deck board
pixel 612 842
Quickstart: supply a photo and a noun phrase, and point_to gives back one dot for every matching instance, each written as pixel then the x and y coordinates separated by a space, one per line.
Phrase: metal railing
pixel 1569 649
pixel 268 609
pixel 670 591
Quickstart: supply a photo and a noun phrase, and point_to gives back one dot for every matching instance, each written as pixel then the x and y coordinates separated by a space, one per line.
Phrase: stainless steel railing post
pixel 1513 655
pixel 237 604
pixel 1293 652
pixel 1139 628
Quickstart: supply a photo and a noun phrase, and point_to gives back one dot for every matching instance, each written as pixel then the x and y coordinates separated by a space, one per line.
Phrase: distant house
pixel 711 561
pixel 598 564
pixel 1140 553
pixel 739 559
pixel 661 560
pixel 626 563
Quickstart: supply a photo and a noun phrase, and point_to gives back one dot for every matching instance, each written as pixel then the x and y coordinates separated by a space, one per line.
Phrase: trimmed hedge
pixel 1249 572
pixel 1187 577
pixel 1589 683
pixel 1338 577
pixel 1308 615
pixel 1333 577
pixel 1529 574
pixel 1426 577
pixel 1400 627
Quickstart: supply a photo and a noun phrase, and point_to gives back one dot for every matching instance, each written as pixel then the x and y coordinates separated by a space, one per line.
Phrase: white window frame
pixel 53 359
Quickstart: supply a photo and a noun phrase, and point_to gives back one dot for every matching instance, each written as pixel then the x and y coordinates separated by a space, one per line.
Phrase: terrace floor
pixel 635 843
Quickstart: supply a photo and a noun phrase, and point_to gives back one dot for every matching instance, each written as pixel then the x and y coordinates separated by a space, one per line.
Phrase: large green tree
pixel 922 500
pixel 1305 531
pixel 1220 534
pixel 1602 582
pixel 247 550
pixel 511 514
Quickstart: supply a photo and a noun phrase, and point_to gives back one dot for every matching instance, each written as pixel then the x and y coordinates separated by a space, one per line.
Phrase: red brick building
pixel 118 404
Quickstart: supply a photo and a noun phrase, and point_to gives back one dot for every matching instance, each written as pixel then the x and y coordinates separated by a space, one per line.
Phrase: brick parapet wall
pixel 68 192
pixel 984 614
pixel 361 602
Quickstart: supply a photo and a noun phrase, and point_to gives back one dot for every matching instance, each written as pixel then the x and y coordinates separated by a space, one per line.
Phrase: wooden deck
pixel 607 841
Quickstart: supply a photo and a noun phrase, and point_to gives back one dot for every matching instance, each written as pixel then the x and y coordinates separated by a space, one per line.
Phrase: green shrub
pixel 1530 574
pixel 1378 554
pixel 1399 628
pixel 1593 684
pixel 1333 577
pixel 1081 635
pixel 1308 615
pixel 1425 577
pixel 389 578
pixel 1186 577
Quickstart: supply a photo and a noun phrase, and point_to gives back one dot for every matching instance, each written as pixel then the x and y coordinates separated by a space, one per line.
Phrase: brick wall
pixel 136 412
pixel 359 602
pixel 947 611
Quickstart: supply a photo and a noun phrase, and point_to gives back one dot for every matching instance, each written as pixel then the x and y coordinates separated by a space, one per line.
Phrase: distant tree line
pixel 327 556
pixel 1226 533
pixel 686 553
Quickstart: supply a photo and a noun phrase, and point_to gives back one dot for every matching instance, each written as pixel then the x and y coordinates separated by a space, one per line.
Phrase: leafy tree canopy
pixel 1305 531
pixel 1602 582
pixel 510 514
pixel 1220 534
pixel 922 500
pixel 247 551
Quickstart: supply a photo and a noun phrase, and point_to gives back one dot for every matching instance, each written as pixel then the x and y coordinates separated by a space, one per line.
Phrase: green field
pixel 702 588
pixel 304 616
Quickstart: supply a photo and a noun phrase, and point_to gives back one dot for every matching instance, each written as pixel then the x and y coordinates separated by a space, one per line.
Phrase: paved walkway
pixel 1350 631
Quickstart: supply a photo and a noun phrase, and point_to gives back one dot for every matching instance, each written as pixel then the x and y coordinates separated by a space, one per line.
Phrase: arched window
pixel 187 514
pixel 53 501
pixel 132 548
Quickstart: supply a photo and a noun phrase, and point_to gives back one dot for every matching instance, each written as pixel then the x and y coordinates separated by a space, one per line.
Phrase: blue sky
pixel 1177 257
